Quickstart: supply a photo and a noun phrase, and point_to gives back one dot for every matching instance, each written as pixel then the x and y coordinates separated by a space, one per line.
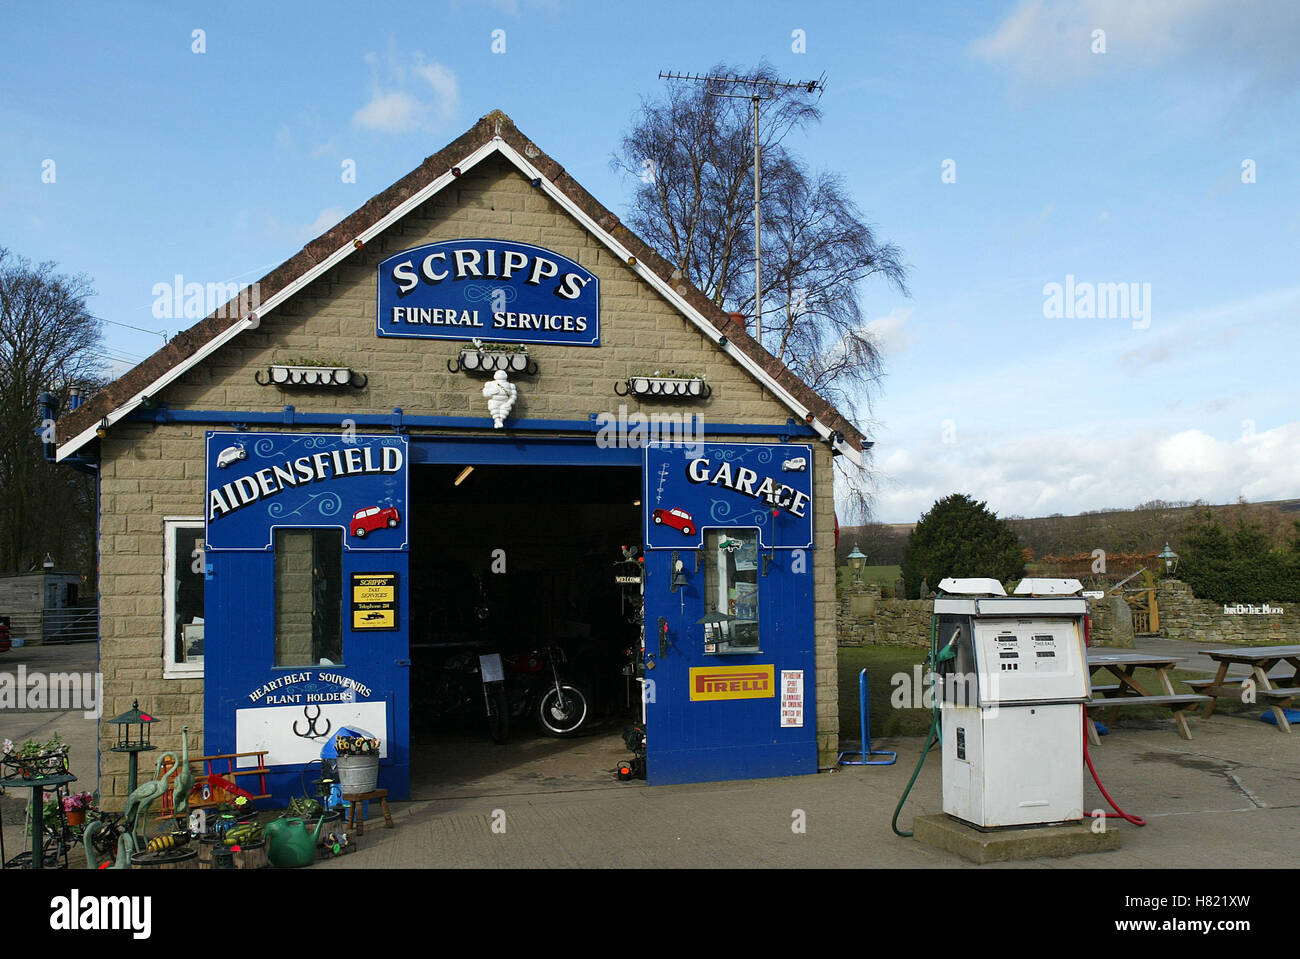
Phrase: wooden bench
pixel 1183 701
pixel 212 779
pixel 1280 694
pixel 1177 703
pixel 1235 682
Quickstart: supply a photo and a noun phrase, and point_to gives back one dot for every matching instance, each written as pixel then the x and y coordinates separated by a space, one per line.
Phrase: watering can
pixel 289 844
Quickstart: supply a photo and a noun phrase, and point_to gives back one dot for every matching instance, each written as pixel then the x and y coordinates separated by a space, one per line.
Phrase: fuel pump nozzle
pixel 949 651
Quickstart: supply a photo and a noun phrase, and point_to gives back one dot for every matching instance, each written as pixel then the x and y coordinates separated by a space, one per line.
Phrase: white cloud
pixel 396 112
pixel 300 233
pixel 1052 40
pixel 327 218
pixel 1044 473
pixel 889 330
pixel 408 98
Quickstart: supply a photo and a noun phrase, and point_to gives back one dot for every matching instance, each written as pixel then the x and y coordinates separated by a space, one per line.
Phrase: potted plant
pixel 483 357
pixel 34 759
pixel 358 763
pixel 311 371
pixel 77 806
pixel 687 385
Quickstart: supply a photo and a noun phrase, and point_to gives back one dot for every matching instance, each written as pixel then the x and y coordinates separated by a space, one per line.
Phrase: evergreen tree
pixel 960 537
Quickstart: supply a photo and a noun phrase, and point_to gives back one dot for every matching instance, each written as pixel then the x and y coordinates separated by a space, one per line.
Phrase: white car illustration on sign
pixel 796 465
pixel 231 454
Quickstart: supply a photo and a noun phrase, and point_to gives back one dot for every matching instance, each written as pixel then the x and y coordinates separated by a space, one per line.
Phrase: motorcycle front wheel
pixel 562 716
pixel 498 713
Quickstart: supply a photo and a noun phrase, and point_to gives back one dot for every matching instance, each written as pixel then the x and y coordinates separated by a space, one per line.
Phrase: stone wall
pixel 152 471
pixel 866 619
pixel 1183 616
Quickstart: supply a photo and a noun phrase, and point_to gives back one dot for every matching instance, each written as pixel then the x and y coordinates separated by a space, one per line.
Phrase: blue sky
pixel 1124 166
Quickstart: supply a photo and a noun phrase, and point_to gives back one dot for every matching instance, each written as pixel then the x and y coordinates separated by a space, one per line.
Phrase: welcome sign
pixel 491 290
pixel 689 488
pixel 257 482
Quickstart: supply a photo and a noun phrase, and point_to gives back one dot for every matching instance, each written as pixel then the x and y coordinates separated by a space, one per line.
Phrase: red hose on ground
pixel 1119 813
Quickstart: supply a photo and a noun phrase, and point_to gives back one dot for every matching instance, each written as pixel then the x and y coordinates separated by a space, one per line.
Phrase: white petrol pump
pixel 1015 676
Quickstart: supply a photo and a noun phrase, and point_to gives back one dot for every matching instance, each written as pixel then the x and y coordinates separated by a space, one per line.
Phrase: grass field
pixel 884 663
pixel 880 575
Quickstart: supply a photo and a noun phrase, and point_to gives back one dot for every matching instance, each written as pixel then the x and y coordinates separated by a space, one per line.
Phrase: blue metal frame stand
pixel 866 749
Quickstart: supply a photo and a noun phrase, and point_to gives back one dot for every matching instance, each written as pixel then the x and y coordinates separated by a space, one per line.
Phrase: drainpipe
pixel 49 413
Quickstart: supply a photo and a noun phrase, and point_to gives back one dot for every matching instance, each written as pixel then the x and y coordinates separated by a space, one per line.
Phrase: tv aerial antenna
pixel 755 89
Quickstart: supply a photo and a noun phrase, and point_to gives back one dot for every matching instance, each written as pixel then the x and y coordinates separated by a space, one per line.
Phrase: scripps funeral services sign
pixel 491 290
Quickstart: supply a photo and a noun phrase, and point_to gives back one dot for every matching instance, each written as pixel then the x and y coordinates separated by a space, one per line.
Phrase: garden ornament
pixel 184 780
pixel 501 395
pixel 125 847
pixel 136 812
pixel 288 843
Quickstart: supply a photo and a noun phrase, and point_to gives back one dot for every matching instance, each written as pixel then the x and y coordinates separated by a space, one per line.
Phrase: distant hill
pixel 1141 530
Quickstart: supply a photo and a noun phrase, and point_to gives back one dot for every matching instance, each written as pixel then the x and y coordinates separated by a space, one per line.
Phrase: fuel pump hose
pixel 931 737
pixel 1118 813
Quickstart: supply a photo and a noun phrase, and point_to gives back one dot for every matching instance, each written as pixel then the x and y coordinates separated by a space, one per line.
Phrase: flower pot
pixel 76 817
pixel 358 774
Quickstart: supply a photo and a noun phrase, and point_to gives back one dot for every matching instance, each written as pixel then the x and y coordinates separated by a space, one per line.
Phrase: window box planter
pixel 487 360
pixel 684 387
pixel 320 376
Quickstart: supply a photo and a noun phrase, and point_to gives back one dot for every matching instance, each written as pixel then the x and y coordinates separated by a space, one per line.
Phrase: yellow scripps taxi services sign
pixel 732 682
pixel 374 601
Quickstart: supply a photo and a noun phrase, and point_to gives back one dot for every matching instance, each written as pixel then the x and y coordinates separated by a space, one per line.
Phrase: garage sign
pixel 490 290
pixel 689 488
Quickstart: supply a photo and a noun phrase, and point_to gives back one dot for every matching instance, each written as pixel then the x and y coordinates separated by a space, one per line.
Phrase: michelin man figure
pixel 501 395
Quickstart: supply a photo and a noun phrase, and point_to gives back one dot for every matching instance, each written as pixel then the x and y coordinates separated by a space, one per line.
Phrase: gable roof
pixel 493 134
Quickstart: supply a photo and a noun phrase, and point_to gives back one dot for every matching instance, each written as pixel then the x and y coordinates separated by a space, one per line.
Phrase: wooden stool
pixel 354 798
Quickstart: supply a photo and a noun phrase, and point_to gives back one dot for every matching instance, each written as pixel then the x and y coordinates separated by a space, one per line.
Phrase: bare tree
pixel 691 156
pixel 48 343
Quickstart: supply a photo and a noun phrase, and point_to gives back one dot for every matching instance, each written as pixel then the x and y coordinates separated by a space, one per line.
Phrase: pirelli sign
pixel 732 682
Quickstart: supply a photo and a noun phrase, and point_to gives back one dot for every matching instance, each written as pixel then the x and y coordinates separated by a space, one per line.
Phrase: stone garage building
pixel 280 534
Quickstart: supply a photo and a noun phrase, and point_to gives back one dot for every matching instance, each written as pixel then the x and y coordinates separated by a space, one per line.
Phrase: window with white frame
pixel 183 597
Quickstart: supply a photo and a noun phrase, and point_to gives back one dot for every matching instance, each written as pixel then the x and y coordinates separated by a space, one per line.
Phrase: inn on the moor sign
pixel 490 290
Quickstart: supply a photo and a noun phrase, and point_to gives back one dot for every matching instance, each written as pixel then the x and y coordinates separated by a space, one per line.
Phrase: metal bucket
pixel 358 774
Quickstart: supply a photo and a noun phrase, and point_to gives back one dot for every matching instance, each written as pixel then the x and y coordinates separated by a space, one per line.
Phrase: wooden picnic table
pixel 1260 660
pixel 1122 664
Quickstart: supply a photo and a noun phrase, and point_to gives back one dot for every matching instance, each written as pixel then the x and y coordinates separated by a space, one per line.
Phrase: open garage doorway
pixel 520 561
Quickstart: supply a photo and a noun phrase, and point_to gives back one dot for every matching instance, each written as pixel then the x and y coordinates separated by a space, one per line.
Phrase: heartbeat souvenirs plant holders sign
pixel 257 482
pixel 692 487
pixel 489 289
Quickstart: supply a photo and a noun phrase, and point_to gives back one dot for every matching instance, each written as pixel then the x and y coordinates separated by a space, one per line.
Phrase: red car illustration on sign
pixel 676 518
pixel 366 520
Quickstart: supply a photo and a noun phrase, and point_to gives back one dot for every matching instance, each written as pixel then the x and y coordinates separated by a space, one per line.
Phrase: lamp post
pixel 1170 559
pixel 133 741
pixel 856 559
